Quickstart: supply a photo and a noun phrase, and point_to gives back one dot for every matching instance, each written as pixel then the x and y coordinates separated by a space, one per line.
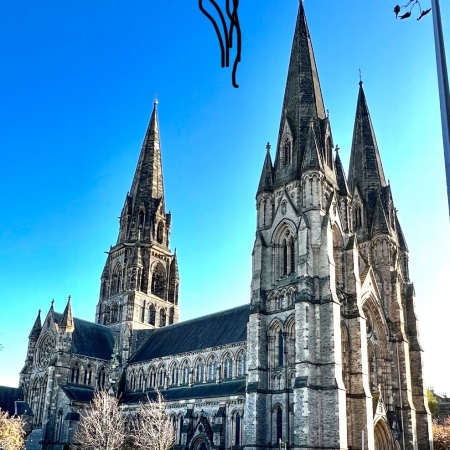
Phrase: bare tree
pixel 12 432
pixel 102 425
pixel 151 427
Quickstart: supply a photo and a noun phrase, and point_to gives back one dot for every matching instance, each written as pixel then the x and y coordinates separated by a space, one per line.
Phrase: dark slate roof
pixel 213 330
pixel 200 391
pixel 8 395
pixel 91 339
pixel 78 394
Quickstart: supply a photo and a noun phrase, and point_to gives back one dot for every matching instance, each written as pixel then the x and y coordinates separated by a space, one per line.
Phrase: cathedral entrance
pixel 383 436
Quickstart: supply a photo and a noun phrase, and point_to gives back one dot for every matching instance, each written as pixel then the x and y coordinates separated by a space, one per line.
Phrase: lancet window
pixel 212 368
pixel 241 363
pixel 101 379
pixel 174 374
pixel 152 377
pixel 159 281
pixel 162 318
pixel 116 282
pixel 151 315
pixel 227 366
pixel 200 372
pixel 75 378
pixel 286 152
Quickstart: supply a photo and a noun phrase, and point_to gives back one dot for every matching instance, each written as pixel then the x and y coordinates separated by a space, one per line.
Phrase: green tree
pixel 432 404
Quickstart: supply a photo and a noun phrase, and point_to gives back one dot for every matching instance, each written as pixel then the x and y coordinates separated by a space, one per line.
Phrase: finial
pixel 268 146
pixel 53 301
pixel 336 149
pixel 328 113
pixel 360 78
pixel 69 298
pixel 155 100
pixel 39 312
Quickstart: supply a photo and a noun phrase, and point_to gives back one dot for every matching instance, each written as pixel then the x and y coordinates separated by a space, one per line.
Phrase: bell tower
pixel 139 283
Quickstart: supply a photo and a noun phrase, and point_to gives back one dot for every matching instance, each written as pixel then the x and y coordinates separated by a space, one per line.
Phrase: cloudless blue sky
pixel 77 82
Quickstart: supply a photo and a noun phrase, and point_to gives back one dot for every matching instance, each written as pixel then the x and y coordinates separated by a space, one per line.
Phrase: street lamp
pixel 441 63
pixel 444 92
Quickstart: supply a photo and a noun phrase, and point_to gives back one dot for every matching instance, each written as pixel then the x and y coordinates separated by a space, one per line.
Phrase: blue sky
pixel 76 88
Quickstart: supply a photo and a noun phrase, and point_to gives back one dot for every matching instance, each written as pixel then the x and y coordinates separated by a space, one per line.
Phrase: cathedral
pixel 325 354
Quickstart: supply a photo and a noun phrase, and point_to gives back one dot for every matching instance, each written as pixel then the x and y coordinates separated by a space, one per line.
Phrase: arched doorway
pixel 199 444
pixel 383 436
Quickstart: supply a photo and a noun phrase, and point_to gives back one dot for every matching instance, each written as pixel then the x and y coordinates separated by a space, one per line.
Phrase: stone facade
pixel 325 356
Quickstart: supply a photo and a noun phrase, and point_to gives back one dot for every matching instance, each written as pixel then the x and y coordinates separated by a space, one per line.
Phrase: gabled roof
pixel 217 329
pixel 90 339
pixel 78 394
pixel 198 391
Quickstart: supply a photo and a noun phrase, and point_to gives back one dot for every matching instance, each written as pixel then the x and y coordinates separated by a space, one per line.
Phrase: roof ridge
pixel 86 321
pixel 200 318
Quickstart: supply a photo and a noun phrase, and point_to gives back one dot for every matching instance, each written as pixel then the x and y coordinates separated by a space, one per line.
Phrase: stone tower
pixel 139 284
pixel 332 322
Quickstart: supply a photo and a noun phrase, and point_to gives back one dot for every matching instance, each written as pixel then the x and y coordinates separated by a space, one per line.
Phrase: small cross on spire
pixel 53 301
pixel 336 149
pixel 360 78
pixel 268 147
pixel 155 99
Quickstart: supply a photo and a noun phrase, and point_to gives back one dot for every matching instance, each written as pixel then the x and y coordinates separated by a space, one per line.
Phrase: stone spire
pixel 365 171
pixel 66 322
pixel 302 102
pixel 266 180
pixel 340 174
pixel 146 196
pixel 37 327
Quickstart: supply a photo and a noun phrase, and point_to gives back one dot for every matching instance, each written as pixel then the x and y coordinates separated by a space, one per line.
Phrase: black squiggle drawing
pixel 227 43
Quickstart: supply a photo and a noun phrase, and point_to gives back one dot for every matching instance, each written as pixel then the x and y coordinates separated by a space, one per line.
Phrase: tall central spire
pixel 303 106
pixel 148 179
pixel 145 200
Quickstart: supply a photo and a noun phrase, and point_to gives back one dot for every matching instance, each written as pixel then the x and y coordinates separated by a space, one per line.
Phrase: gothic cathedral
pixel 325 356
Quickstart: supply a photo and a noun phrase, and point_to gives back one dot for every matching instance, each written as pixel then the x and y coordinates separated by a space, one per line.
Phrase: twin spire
pixel 305 127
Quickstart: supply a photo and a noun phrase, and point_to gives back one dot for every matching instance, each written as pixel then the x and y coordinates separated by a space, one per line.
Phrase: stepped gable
pixel 85 333
pixel 203 390
pixel 221 328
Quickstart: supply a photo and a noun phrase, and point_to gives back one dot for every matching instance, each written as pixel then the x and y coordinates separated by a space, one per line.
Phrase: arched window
pixel 88 375
pixel 141 219
pixel 75 373
pixel 357 216
pixel 290 343
pixel 152 377
pixel 175 374
pixel 171 314
pixel 114 313
pixel 279 424
pixel 162 376
pixel 280 348
pixel 212 368
pixel 241 364
pixel 285 258
pixel 185 374
pixel 180 428
pixel 116 282
pixel 159 281
pixel 107 316
pixel 286 152
pixel 141 380
pixel 227 367
pixel 160 233
pixel 199 372
pixel 151 315
pixel 237 430
pixel 292 255
pixel 59 426
pixel 101 378
pixel 162 318
pixel 144 280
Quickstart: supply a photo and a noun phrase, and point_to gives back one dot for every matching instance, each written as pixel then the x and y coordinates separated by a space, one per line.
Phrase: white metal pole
pixel 444 92
pixel 362 439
